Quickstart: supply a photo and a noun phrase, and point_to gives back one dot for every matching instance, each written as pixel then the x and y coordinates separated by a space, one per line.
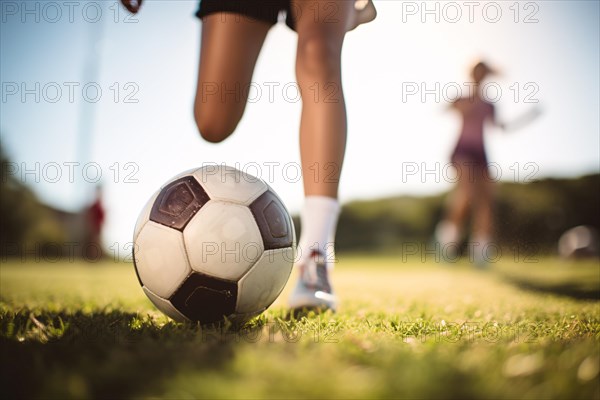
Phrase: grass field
pixel 404 330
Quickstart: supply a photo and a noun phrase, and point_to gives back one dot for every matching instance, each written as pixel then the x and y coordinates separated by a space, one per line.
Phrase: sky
pixel 91 94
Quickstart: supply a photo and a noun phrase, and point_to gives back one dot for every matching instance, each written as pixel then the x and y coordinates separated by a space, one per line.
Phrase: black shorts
pixel 469 155
pixel 261 10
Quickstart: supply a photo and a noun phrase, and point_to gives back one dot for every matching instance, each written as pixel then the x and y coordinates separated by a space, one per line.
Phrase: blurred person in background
pixel 474 190
pixel 95 221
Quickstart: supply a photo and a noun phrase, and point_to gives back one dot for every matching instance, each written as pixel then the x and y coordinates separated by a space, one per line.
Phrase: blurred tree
pixel 528 216
pixel 27 227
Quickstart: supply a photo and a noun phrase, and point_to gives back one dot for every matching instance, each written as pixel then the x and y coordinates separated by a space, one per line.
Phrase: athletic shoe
pixel 313 290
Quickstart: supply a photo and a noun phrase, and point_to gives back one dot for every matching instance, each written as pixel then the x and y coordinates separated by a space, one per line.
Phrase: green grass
pixel 404 330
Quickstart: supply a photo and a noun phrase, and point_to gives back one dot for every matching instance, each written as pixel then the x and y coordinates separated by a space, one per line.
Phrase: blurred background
pixel 97 104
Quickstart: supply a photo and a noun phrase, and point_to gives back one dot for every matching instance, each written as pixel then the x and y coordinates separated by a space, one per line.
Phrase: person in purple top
pixel 474 191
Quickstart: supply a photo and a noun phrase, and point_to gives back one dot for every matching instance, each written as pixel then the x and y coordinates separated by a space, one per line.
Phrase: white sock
pixel 447 233
pixel 480 248
pixel 318 222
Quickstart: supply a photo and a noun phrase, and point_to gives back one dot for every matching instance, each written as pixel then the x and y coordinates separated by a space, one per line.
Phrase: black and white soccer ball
pixel 213 243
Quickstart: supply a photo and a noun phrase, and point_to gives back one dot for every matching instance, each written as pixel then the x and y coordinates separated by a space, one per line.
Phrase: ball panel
pixel 160 259
pixel 259 288
pixel 222 240
pixel 229 184
pixel 205 299
pixel 144 215
pixel 273 221
pixel 178 202
pixel 165 306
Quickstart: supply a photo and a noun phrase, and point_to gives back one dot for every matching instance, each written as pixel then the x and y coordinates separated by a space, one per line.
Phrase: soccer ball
pixel 213 243
pixel 579 242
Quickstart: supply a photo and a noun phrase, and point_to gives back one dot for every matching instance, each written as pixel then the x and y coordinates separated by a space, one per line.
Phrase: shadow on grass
pixel 101 355
pixel 574 290
pixel 577 279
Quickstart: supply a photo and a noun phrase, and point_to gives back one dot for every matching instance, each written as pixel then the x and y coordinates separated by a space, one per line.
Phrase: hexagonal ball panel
pixel 178 202
pixel 160 259
pixel 165 306
pixel 229 184
pixel 222 240
pixel 205 299
pixel 273 221
pixel 259 288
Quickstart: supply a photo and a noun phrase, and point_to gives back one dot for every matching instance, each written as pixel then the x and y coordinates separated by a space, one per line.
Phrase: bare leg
pixel 318 71
pixel 321 27
pixel 229 50
pixel 482 253
pixel 483 217
pixel 462 198
pixel 448 232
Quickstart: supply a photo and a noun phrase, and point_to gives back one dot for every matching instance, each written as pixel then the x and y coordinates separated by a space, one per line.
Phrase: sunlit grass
pixel 405 328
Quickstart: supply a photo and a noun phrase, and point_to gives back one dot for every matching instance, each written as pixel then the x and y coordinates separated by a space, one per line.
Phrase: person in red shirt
pixel 95 216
